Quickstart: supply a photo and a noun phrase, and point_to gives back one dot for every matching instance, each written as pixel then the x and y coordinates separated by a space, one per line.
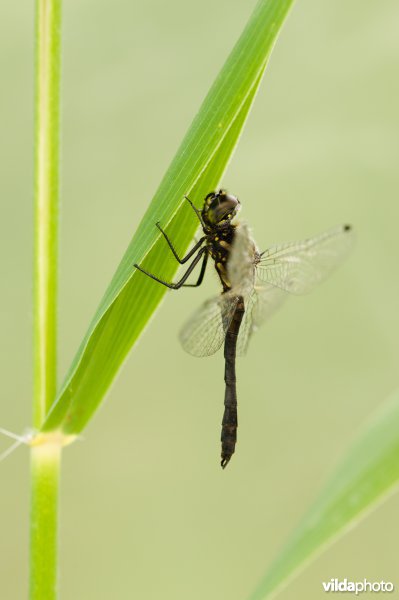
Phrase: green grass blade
pixel 368 473
pixel 197 168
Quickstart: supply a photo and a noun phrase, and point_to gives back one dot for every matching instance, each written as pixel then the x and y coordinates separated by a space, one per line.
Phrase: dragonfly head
pixel 220 208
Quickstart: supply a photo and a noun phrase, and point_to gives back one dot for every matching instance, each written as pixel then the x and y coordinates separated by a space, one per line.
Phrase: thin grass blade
pixel 366 476
pixel 197 168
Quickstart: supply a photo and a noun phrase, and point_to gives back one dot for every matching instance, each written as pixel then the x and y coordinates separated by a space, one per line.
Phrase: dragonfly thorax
pixel 219 243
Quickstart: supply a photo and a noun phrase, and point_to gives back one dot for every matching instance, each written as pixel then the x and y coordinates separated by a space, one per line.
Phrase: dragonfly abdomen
pixel 230 421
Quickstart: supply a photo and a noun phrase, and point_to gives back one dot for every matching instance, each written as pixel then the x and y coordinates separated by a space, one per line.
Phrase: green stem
pixel 46 204
pixel 45 469
pixel 45 461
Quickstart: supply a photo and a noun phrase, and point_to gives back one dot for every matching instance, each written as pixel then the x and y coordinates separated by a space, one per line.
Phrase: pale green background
pixel 146 511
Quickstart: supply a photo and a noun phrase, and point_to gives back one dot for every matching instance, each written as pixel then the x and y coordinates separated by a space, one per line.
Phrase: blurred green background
pixel 146 510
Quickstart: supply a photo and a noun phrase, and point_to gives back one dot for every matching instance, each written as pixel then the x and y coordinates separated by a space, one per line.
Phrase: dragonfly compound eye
pixel 220 207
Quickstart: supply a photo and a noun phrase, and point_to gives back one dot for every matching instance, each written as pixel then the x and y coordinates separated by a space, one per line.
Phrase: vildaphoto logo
pixel 357 587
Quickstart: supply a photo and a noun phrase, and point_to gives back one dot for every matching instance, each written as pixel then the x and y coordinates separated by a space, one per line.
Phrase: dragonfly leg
pixel 189 254
pixel 180 283
pixel 201 275
pixel 197 212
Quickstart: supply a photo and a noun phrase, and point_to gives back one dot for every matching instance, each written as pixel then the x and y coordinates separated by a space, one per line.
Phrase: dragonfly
pixel 254 285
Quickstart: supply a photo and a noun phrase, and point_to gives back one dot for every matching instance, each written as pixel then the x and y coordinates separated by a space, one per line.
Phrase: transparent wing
pixel 260 304
pixel 260 301
pixel 241 264
pixel 262 280
pixel 204 332
pixel 297 267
